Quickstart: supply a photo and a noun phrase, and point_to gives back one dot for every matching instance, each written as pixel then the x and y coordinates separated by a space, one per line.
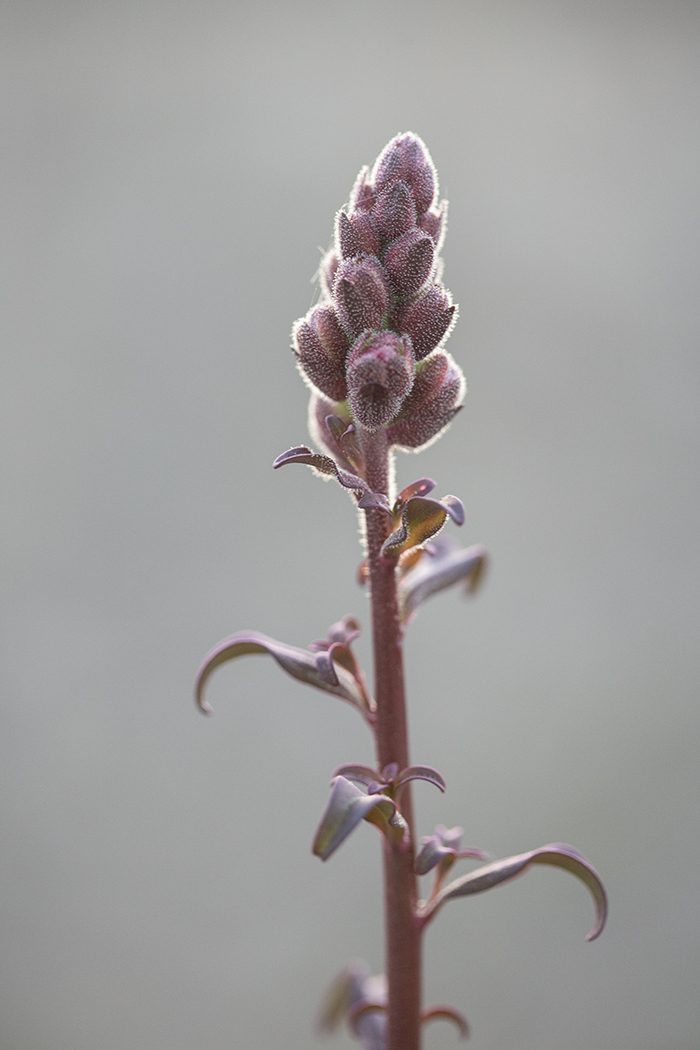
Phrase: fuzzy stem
pixel 403 937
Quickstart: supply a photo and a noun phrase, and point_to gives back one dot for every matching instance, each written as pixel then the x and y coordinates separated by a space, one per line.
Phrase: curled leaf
pixel 420 773
pixel 438 568
pixel 360 774
pixel 325 465
pixel 299 663
pixel 346 807
pixel 502 871
pixel 446 1013
pixel 420 520
pixel 345 438
pixel 417 488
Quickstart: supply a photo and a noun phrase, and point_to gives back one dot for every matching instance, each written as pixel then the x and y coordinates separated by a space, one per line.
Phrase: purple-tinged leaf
pixel 326 466
pixel 345 438
pixel 355 771
pixel 420 520
pixel 431 853
pixel 346 807
pixel 335 649
pixel 420 773
pixel 418 488
pixel 299 663
pixel 502 871
pixel 374 500
pixel 446 1013
pixel 438 569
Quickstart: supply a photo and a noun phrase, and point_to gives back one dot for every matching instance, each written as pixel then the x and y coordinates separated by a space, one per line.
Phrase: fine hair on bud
pixel 380 375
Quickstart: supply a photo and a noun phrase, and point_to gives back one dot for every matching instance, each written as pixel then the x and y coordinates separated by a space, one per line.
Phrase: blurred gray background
pixel 169 173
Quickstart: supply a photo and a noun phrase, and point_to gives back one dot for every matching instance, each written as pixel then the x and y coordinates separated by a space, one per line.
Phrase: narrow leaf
pixel 299 663
pixel 346 807
pixel 420 520
pixel 502 871
pixel 421 773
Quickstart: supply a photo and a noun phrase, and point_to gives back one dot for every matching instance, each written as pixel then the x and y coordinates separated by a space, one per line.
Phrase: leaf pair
pixel 361 1000
pixel 348 804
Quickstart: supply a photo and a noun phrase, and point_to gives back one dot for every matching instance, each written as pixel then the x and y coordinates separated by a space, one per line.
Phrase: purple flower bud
pixel 394 212
pixel 435 223
pixel 321 347
pixel 327 270
pixel 362 295
pixel 356 235
pixel 363 196
pixel 409 262
pixel 427 320
pixel 436 397
pixel 406 159
pixel 380 375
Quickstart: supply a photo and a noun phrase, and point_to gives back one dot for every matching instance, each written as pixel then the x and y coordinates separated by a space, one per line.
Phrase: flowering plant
pixel 372 353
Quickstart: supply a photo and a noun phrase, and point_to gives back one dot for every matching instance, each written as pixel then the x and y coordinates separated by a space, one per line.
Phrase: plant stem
pixel 403 937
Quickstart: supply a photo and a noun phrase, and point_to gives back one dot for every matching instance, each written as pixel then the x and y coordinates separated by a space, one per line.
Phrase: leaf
pixel 346 807
pixel 437 571
pixel 446 1013
pixel 420 773
pixel 361 774
pixel 502 871
pixel 417 488
pixel 299 663
pixel 420 519
pixel 325 465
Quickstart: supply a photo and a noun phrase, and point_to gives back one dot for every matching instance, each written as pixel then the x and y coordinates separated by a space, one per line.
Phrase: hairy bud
pixel 356 235
pixel 436 397
pixel 380 375
pixel 362 295
pixel 409 261
pixel 321 347
pixel 394 213
pixel 427 320
pixel 406 159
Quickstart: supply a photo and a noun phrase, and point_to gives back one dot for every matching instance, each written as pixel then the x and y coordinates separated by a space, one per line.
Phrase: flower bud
pixel 436 397
pixel 427 320
pixel 406 159
pixel 319 410
pixel 321 347
pixel 434 222
pixel 362 295
pixel 409 262
pixel 356 235
pixel 327 270
pixel 394 213
pixel 380 375
pixel 362 197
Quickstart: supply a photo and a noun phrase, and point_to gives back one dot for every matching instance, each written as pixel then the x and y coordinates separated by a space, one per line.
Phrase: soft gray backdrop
pixel 170 170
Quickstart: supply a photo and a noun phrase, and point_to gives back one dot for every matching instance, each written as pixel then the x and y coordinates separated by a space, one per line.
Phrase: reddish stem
pixel 403 937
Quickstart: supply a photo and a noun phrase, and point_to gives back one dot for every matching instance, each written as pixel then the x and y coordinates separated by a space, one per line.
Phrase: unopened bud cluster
pixel 371 350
